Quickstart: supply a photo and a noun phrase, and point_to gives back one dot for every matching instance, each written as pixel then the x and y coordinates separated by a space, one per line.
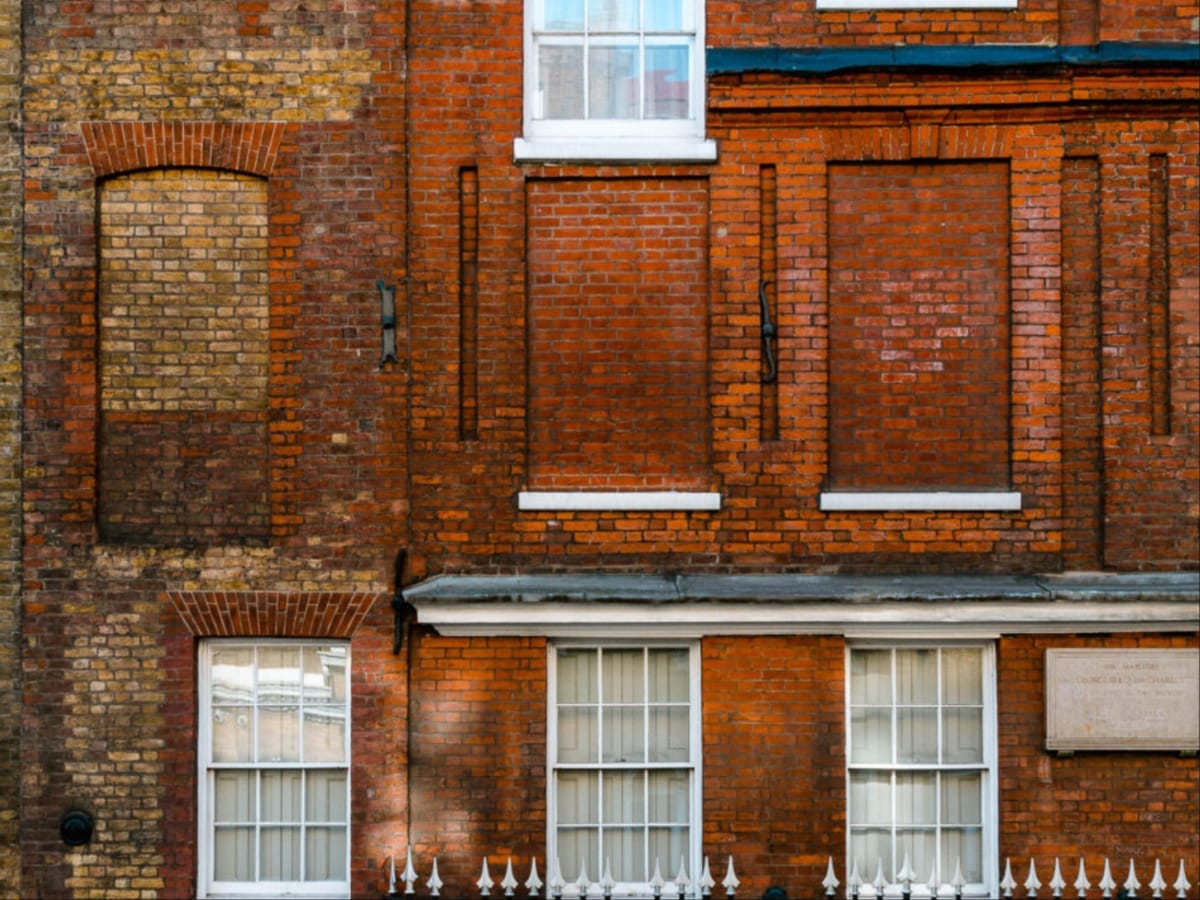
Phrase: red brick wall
pixel 918 326
pixel 1092 805
pixel 477 763
pixel 617 345
pixel 774 763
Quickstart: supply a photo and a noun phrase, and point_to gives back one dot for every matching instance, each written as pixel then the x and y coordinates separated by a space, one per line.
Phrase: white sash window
pixel 624 761
pixel 274 776
pixel 614 79
pixel 921 764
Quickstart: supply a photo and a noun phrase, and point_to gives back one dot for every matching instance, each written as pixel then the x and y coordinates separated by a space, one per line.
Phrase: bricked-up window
pixel 184 340
pixel 614 78
pixel 919 334
pixel 618 335
pixel 921 764
pixel 274 750
pixel 624 749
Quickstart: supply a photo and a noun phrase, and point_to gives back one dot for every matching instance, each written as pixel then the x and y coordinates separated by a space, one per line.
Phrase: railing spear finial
pixel 1181 885
pixel 1131 883
pixel 830 882
pixel 485 882
pixel 731 883
pixel 1057 883
pixel 1107 885
pixel 1081 880
pixel 533 884
pixel 509 882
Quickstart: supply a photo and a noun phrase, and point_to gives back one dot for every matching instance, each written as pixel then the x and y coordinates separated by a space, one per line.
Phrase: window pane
pixel 670 676
pixel 664 15
pixel 578 799
pixel 870 798
pixel 871 736
pixel 562 15
pixel 964 846
pixel 624 678
pixel 868 848
pixel 233 797
pixel 280 854
pixel 669 734
pixel 326 797
pixel 921 847
pixel 962 675
pixel 612 15
pixel 231 734
pixel 281 796
pixel 324 674
pixel 962 798
pixel 233 854
pixel 667 84
pixel 624 735
pixel 232 675
pixel 578 848
pixel 623 853
pixel 613 83
pixel 578 735
pixel 916 736
pixel 278 734
pixel 325 854
pixel 669 846
pixel 324 734
pixel 871 677
pixel 624 797
pixel 962 735
pixel 916 798
pixel 278 675
pixel 670 798
pixel 577 676
pixel 916 677
pixel 560 81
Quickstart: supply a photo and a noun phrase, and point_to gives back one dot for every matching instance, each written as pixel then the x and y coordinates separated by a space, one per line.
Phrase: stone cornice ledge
pixel 619 605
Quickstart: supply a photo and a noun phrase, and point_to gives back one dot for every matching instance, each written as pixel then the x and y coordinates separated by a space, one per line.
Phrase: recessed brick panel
pixel 183 358
pixel 617 329
pixel 919 326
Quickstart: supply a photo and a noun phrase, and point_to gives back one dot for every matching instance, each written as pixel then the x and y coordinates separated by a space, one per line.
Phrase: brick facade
pixel 10 440
pixel 983 277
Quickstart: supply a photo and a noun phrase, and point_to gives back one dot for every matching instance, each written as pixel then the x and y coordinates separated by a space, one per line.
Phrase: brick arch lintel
pixel 248 147
pixel 323 614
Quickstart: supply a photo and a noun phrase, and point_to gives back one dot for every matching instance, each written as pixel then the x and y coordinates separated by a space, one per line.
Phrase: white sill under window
pixel 916 5
pixel 619 501
pixel 614 150
pixel 924 501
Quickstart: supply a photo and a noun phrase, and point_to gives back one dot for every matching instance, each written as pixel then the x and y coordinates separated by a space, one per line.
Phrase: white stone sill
pixel 618 501
pixel 923 501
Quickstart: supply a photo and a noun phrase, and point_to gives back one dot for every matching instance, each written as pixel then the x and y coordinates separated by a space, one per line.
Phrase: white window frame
pixel 617 140
pixel 206 884
pixel 989 799
pixel 669 868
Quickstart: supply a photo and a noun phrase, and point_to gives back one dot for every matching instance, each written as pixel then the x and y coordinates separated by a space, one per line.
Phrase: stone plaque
pixel 1123 700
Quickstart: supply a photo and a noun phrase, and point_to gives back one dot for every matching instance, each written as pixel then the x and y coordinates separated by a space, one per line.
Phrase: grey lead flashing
pixel 790 588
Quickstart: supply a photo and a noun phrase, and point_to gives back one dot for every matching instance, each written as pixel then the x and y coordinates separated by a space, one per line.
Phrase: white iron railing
pixel 904 885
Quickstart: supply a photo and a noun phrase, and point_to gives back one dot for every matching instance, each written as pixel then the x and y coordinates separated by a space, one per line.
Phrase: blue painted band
pixel 825 60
